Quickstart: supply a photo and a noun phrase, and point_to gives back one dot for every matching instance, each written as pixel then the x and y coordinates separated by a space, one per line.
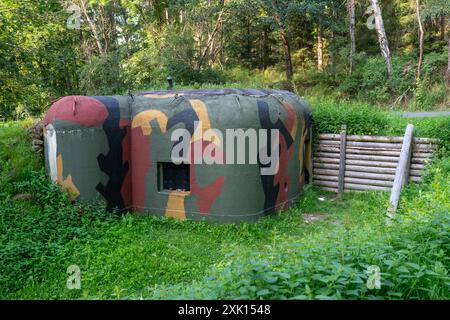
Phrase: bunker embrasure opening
pixel 173 177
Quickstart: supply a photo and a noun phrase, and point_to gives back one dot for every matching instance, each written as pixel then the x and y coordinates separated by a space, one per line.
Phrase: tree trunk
pixel 211 37
pixel 286 48
pixel 287 58
pixel 448 63
pixel 68 78
pixel 351 15
pixel 92 26
pixel 319 49
pixel 266 48
pixel 112 11
pixel 448 52
pixel 442 27
pixel 419 20
pixel 382 39
pixel 333 55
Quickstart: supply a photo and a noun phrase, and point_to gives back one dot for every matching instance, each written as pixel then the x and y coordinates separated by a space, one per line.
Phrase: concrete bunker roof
pixel 216 92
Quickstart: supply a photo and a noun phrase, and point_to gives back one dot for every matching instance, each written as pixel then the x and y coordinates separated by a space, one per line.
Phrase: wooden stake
pixel 402 171
pixel 342 147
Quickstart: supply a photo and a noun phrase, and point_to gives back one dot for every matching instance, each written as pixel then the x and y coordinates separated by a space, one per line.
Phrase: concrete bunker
pixel 119 149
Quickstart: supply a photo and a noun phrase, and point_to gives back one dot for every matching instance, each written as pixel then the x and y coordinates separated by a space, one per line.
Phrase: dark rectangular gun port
pixel 173 177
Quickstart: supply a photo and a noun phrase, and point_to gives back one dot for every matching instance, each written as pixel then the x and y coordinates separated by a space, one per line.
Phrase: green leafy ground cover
pixel 279 257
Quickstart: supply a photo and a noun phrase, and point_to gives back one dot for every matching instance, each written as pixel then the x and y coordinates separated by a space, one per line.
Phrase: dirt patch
pixel 312 217
pixel 22 196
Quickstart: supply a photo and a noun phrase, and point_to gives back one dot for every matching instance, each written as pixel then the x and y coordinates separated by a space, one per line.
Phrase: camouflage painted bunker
pixel 118 149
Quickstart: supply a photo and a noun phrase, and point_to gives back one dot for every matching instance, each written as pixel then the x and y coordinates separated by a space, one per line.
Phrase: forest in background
pixel 334 48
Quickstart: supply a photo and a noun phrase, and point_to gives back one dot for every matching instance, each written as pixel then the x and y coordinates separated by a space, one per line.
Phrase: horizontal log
pixel 331 166
pixel 419 160
pixel 417 166
pixel 395 146
pixel 376 139
pixel 323 183
pixel 375 145
pixel 415 179
pixel 372 164
pixel 361 138
pixel 352 186
pixel 329 136
pixel 372 176
pixel 370 169
pixel 329 172
pixel 365 169
pixel 329 143
pixel 352 174
pixel 425 155
pixel 415 172
pixel 362 174
pixel 359 154
pixel 426 140
pixel 335 190
pixel 326 155
pixel 325 177
pixel 390 139
pixel 390 153
pixel 321 155
pixel 369 182
pixel 364 138
pixel 326 160
pixel 424 147
pixel 372 158
pixel 368 157
pixel 330 149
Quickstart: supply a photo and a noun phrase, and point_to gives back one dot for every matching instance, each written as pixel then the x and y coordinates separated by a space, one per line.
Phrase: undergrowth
pixel 281 256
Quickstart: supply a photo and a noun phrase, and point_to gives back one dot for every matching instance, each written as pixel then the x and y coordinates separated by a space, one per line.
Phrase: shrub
pixel 103 75
pixel 33 235
pixel 434 65
pixel 432 127
pixel 363 119
pixel 144 70
pixel 360 119
pixel 16 156
pixel 430 96
pixel 369 83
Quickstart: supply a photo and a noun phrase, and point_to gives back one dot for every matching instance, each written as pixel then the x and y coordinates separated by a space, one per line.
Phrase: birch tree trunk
pixel 319 48
pixel 351 15
pixel 92 26
pixel 211 37
pixel 448 54
pixel 419 20
pixel 382 39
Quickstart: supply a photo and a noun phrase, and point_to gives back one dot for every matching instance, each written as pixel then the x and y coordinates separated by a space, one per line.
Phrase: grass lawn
pixel 131 255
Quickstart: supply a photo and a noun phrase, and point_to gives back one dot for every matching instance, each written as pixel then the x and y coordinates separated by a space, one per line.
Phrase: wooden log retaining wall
pixel 370 161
